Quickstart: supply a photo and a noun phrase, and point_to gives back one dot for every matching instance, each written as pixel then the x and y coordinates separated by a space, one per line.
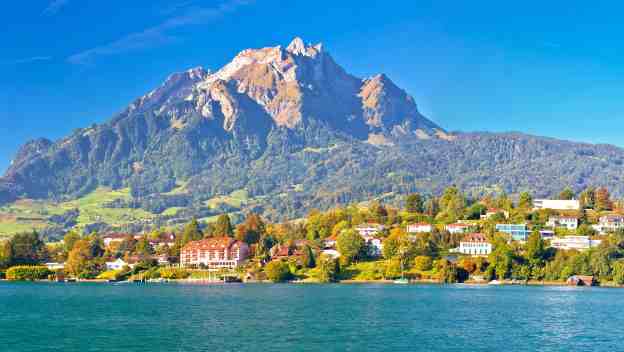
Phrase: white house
pixel 375 245
pixel 475 244
pixel 420 227
pixel 55 266
pixel 574 242
pixel 369 229
pixel 493 211
pixel 609 223
pixel 117 264
pixel 556 204
pixel 568 222
pixel 457 228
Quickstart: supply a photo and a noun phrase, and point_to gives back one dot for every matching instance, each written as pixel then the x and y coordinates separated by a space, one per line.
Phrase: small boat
pixel 495 282
pixel 401 281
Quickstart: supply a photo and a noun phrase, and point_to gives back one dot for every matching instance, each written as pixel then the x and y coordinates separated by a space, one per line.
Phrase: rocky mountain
pixel 294 130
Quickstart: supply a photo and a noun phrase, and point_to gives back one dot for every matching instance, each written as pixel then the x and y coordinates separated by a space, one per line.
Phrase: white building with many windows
pixel 568 222
pixel 420 227
pixel 579 243
pixel 475 244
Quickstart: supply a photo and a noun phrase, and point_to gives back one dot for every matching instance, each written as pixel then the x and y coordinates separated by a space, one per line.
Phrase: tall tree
pixel 350 245
pixel 525 200
pixel 6 254
pixel 28 249
pixel 602 199
pixel 251 230
pixel 69 240
pixel 587 198
pixel 223 226
pixel 191 232
pixel 566 194
pixel 535 248
pixel 414 203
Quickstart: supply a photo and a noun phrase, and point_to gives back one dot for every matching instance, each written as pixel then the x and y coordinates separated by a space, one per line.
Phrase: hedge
pixel 27 273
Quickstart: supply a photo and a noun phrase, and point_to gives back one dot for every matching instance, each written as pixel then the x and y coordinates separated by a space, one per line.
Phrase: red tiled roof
pixel 475 237
pixel 213 243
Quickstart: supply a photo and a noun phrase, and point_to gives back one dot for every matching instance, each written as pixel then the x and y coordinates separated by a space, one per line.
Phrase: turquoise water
pixel 103 317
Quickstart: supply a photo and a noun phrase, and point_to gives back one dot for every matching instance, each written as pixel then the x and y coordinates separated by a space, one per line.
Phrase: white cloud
pixel 158 35
pixel 54 7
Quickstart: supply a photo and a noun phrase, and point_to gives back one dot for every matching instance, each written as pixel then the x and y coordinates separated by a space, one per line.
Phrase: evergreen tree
pixel 191 232
pixel 223 226
pixel 567 194
pixel 414 203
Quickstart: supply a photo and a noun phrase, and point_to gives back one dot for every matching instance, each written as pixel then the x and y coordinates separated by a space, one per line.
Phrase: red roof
pixel 117 235
pixel 458 225
pixel 475 237
pixel 213 244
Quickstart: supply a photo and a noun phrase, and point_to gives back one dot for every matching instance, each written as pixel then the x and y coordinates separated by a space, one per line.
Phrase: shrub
pixel 27 273
pixel 277 271
pixel 173 273
pixel 423 263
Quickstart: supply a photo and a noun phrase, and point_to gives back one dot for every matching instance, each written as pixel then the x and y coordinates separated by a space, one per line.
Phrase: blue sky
pixel 550 68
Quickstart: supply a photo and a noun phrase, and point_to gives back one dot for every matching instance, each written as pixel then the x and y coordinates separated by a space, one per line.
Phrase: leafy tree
pixel 414 203
pixel 602 199
pixel 223 226
pixel 501 258
pixel 78 261
pixel 69 240
pixel 6 254
pixel 27 249
pixel 587 198
pixel 307 259
pixel 423 263
pixel 143 247
pixel 566 194
pixel 251 230
pixel 535 247
pixel 339 227
pixel 350 245
pixel 327 268
pixel 525 200
pixel 618 272
pixel 475 211
pixel 452 204
pixel 277 271
pixel 447 271
pixel 432 207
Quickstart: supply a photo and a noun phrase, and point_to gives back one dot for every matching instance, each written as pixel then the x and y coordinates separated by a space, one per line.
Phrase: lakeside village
pixel 573 239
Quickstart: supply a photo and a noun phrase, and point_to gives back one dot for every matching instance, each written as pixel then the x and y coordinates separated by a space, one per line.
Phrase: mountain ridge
pixel 294 129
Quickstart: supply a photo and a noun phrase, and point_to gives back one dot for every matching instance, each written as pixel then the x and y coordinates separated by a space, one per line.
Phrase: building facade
pixel 475 244
pixel 579 243
pixel 609 223
pixel 556 204
pixel 419 228
pixel 568 222
pixel 458 228
pixel 214 253
pixel 369 229
pixel 518 232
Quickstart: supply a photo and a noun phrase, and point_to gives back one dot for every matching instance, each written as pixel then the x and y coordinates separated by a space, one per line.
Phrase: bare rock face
pixel 268 100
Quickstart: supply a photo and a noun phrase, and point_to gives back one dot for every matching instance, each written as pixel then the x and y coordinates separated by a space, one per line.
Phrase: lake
pixel 360 317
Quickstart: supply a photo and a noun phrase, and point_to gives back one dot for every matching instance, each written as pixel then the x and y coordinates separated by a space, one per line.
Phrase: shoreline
pixel 342 282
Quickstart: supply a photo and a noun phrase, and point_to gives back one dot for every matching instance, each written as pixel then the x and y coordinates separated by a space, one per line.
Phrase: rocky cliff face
pixel 197 120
